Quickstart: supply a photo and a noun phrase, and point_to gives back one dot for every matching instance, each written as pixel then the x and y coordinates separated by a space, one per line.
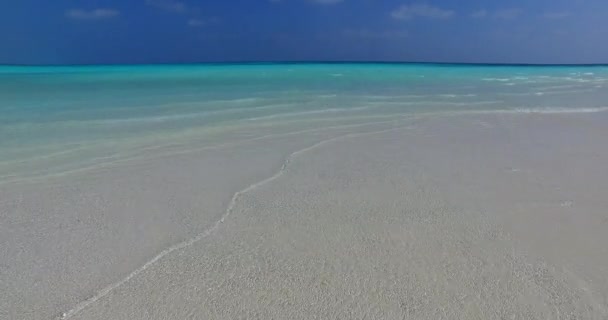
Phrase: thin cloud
pixel 168 5
pixel 504 14
pixel 94 14
pixel 407 12
pixel 179 7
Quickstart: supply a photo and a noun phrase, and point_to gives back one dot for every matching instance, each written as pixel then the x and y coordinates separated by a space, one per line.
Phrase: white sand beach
pixel 489 216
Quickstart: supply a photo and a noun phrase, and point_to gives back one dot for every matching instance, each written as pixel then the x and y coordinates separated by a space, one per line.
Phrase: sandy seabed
pixel 497 216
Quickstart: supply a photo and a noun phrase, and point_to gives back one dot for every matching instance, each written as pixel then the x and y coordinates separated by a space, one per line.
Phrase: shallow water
pixel 57 119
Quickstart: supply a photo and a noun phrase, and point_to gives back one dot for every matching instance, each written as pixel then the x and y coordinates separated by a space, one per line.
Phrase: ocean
pixel 60 119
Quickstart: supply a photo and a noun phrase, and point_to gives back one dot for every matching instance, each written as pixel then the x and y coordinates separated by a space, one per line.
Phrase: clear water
pixel 57 119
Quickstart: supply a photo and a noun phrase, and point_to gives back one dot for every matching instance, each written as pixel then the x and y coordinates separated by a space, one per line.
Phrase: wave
pixel 143 120
pixel 546 92
pixel 557 110
pixel 450 95
pixel 436 103
pixel 497 79
pixel 517 111
pixel 164 118
pixel 546 110
pixel 304 113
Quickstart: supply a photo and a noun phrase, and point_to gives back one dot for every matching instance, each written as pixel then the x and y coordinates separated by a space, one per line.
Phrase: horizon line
pixel 287 62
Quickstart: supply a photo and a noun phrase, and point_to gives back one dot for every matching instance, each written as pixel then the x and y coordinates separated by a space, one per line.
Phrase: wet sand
pixel 497 216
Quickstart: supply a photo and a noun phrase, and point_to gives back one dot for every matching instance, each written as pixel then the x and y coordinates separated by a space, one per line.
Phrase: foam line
pixel 182 245
pixel 556 110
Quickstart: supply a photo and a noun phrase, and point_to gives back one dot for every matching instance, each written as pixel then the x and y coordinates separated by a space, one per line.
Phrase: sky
pixel 186 31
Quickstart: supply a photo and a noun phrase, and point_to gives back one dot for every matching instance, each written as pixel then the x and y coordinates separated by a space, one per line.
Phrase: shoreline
pixel 151 152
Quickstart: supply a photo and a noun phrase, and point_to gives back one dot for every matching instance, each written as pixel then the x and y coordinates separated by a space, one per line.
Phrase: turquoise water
pixel 56 119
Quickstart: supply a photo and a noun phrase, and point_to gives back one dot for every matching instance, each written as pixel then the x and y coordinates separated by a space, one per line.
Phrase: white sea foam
pixel 542 93
pixel 436 103
pixel 556 110
pixel 497 79
pixel 557 87
pixel 453 95
pixel 305 113
pixel 397 97
pixel 174 117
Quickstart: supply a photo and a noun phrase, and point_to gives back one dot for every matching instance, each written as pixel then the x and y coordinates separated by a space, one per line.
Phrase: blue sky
pixel 165 31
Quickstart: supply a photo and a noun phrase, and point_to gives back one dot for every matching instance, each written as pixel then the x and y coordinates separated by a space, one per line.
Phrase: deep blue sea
pixel 57 119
